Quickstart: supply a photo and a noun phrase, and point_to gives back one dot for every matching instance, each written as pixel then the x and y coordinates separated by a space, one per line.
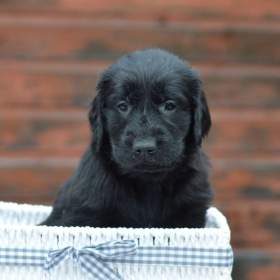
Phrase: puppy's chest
pixel 149 209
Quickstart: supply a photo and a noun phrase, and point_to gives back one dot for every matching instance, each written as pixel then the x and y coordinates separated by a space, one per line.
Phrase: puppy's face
pixel 148 111
pixel 147 124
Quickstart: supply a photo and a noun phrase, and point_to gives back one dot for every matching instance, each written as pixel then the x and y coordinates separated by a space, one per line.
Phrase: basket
pixel 32 252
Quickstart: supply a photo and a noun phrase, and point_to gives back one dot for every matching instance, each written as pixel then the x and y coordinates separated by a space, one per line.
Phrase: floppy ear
pixel 96 123
pixel 201 117
pixel 96 118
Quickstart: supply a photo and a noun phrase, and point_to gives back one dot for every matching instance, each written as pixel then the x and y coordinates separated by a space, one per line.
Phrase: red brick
pixel 20 130
pixel 254 224
pixel 268 272
pixel 45 90
pixel 244 131
pixel 239 133
pixel 157 10
pixel 49 39
pixel 37 182
pixel 59 86
pixel 246 180
pixel 256 265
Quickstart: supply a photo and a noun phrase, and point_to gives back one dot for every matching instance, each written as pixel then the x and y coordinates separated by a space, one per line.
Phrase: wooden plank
pixel 61 40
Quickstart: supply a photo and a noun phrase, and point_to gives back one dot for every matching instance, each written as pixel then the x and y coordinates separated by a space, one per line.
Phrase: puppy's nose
pixel 144 148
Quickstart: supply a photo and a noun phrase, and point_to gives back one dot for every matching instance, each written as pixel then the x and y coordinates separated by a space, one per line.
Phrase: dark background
pixel 52 51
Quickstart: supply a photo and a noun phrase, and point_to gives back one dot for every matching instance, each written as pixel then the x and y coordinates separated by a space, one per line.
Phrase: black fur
pixel 153 100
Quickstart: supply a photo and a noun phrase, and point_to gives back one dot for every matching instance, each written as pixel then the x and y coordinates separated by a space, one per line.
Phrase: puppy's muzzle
pixel 144 149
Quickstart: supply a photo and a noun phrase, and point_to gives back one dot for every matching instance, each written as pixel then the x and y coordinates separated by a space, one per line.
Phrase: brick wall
pixel 51 52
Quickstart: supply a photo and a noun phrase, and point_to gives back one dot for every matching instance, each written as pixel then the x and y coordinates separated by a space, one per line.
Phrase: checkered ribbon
pixel 91 259
pixel 95 260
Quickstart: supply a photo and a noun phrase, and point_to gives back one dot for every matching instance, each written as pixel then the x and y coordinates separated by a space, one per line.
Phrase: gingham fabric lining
pixel 94 260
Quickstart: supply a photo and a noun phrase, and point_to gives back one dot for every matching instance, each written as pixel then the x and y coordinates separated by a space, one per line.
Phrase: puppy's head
pixel 150 110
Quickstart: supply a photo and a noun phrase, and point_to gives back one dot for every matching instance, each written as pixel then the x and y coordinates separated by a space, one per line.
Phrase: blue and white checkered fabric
pixel 95 260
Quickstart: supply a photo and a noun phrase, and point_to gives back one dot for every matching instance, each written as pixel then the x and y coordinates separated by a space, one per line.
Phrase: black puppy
pixel 144 167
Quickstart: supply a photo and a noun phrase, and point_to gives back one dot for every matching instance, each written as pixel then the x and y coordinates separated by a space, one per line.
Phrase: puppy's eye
pixel 122 106
pixel 168 106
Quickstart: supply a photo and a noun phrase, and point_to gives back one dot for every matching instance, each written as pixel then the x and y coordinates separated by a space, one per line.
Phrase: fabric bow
pixel 93 259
